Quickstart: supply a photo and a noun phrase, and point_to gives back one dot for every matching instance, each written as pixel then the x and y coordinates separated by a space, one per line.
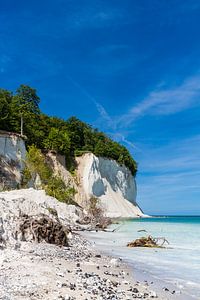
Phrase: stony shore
pixel 44 271
pixel 73 270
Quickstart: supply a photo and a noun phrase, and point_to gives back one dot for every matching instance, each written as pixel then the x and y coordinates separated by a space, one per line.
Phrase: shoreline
pixel 45 271
pixel 162 288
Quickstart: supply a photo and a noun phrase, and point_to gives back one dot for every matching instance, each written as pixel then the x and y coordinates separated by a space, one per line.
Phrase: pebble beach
pixel 44 271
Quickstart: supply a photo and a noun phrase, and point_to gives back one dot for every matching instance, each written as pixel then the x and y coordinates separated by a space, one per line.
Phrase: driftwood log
pixel 43 228
pixel 149 242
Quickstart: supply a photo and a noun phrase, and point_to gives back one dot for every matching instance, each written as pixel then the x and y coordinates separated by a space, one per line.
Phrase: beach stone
pixel 115 262
pixel 153 294
pixel 135 290
pixel 125 282
pixel 60 274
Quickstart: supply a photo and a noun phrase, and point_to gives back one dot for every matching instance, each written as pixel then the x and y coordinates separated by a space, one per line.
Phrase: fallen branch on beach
pixel 162 239
pixel 97 228
pixel 149 242
pixel 113 230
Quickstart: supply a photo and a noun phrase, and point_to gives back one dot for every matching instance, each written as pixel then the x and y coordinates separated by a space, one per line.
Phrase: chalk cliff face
pixel 105 179
pixel 12 156
pixel 113 184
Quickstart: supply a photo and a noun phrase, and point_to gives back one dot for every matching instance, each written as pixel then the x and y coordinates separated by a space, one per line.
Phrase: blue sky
pixel 130 68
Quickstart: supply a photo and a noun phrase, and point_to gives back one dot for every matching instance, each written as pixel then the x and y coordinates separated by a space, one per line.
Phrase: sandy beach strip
pixel 44 271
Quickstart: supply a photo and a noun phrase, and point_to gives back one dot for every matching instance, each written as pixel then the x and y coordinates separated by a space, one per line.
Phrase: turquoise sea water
pixel 178 264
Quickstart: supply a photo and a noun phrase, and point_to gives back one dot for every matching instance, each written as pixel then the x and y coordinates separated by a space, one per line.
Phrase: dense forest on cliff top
pixel 20 113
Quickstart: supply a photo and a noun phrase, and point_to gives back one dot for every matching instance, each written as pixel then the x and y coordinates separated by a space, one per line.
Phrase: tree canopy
pixel 25 104
pixel 70 137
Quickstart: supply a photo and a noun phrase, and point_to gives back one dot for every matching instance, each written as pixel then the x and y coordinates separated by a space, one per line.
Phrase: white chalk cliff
pixel 12 156
pixel 103 178
pixel 111 183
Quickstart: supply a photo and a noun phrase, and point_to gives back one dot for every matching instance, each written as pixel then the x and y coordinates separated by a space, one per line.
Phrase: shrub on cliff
pixel 57 189
pixel 53 185
pixel 35 164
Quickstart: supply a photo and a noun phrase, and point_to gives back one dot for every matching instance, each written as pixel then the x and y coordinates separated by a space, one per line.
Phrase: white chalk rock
pixel 111 183
pixel 30 202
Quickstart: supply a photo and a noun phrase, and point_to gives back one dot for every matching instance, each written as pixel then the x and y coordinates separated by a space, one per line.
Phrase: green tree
pixel 5 102
pixel 58 140
pixel 26 104
pixel 76 133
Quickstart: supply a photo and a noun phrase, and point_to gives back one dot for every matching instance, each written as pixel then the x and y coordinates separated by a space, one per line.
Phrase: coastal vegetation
pixel 20 112
pixel 36 164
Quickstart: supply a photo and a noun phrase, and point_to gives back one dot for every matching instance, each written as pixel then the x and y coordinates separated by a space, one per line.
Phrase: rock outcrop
pixel 111 183
pixel 12 156
pixel 16 204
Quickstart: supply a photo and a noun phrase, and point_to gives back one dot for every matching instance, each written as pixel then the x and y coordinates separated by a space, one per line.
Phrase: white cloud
pixel 165 101
pixel 122 137
pixel 103 113
pixel 159 102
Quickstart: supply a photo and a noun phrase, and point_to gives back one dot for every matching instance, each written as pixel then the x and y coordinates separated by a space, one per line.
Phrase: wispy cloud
pixel 108 122
pixel 94 16
pixel 165 101
pixel 105 117
pixel 122 137
pixel 170 174
pixel 160 102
